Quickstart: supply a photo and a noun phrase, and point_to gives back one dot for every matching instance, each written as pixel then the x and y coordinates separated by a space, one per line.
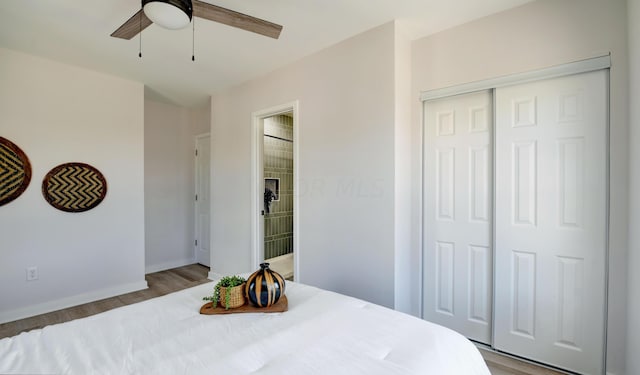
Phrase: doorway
pixel 202 201
pixel 275 186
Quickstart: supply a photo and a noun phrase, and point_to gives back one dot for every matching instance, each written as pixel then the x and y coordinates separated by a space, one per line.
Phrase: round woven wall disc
pixel 74 187
pixel 15 171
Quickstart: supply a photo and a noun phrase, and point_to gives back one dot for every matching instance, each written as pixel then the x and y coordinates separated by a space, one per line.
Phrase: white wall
pixel 633 315
pixel 537 35
pixel 200 119
pixel 402 134
pixel 169 173
pixel 58 113
pixel 346 161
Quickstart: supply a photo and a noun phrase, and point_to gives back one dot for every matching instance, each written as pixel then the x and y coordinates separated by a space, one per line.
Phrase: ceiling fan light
pixel 170 14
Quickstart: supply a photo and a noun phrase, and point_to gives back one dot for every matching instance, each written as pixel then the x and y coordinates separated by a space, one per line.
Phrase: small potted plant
pixel 229 291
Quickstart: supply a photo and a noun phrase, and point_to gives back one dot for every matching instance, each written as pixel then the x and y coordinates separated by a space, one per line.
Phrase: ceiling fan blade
pixel 133 26
pixel 235 19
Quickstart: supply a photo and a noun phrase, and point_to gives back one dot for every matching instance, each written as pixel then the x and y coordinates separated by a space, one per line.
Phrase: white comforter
pixel 322 333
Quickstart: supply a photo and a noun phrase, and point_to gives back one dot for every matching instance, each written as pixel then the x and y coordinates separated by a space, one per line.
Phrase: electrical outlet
pixel 32 273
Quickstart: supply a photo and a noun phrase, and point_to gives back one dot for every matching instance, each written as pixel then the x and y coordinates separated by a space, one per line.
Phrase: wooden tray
pixel 280 306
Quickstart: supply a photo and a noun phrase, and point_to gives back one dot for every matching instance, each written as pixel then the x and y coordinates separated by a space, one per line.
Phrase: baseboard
pixel 168 265
pixel 63 303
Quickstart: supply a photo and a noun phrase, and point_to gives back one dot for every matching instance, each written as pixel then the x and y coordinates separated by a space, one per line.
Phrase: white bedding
pixel 322 333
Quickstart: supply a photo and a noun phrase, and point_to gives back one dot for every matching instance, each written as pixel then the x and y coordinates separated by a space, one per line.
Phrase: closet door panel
pixel 458 264
pixel 550 220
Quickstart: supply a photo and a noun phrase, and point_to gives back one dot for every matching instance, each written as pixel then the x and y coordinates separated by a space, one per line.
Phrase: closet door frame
pixel 582 66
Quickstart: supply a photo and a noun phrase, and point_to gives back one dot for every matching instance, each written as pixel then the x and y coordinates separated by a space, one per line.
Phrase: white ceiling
pixel 77 32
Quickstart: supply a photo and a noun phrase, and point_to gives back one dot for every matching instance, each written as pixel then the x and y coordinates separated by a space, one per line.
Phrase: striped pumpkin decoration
pixel 264 287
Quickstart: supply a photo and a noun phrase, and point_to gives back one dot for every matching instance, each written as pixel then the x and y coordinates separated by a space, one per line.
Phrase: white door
pixel 203 203
pixel 458 259
pixel 550 217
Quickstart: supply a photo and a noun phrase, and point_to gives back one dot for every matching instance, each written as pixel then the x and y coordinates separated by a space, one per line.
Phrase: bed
pixel 321 333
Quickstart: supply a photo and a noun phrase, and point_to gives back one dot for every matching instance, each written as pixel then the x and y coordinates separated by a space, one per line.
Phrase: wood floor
pixel 164 282
pixel 503 365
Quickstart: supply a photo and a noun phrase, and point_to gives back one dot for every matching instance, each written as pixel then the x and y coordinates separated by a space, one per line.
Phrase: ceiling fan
pixel 176 14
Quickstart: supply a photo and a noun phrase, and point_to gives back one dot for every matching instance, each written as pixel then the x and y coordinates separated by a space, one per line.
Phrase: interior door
pixel 458 214
pixel 203 203
pixel 551 217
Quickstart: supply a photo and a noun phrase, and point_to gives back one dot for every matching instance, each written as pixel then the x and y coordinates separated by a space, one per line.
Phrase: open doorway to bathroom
pixel 277 164
pixel 275 184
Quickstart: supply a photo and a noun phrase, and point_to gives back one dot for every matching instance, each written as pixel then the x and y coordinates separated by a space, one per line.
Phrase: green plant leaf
pixel 225 282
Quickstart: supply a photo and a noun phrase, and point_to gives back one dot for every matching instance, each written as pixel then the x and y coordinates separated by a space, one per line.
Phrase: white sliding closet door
pixel 458 214
pixel 551 217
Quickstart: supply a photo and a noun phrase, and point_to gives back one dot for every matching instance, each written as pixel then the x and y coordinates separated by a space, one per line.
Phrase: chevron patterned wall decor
pixel 15 171
pixel 74 187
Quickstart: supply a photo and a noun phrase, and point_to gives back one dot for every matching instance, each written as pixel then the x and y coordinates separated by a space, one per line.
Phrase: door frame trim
pixel 257 182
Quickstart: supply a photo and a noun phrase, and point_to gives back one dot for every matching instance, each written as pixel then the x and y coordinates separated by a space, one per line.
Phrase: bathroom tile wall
pixel 278 163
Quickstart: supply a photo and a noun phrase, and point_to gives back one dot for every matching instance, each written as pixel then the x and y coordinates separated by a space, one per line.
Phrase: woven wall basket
pixel 15 171
pixel 74 187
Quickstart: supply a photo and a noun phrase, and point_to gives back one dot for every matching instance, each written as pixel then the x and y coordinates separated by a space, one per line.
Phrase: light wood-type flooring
pixel 173 280
pixel 504 365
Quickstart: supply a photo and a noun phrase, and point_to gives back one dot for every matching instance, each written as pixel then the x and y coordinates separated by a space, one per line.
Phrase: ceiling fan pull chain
pixel 140 33
pixel 193 39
